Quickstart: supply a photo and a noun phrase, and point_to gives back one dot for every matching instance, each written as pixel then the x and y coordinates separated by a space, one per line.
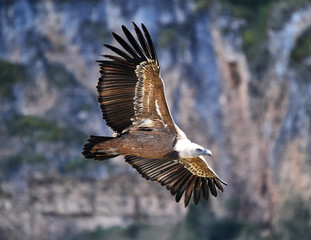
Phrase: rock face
pixel 256 119
pixel 59 203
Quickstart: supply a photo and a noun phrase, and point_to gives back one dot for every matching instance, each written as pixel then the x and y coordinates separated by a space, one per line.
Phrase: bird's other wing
pixel 183 176
pixel 130 89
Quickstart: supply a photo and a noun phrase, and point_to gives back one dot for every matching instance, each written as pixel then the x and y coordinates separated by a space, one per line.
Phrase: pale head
pixel 188 149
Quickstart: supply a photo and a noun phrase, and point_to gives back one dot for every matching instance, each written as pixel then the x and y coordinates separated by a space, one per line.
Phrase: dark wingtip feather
pixel 119 52
pixel 181 189
pixel 212 187
pixel 173 178
pixel 134 43
pixel 205 191
pixel 142 41
pixel 223 182
pixel 126 46
pixel 112 57
pixel 189 189
pixel 150 43
pixel 197 190
pixel 177 185
pixel 218 185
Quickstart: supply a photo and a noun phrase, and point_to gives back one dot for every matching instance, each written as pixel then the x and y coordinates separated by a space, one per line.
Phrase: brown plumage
pixel 132 99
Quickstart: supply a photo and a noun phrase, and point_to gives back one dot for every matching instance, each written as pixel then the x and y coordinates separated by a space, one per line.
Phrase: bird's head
pixel 202 151
pixel 188 149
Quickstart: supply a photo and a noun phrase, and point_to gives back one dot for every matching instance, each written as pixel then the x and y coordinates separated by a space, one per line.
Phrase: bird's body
pixel 132 99
pixel 141 143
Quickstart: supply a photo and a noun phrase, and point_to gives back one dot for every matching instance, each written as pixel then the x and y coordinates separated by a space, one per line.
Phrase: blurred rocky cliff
pixel 238 80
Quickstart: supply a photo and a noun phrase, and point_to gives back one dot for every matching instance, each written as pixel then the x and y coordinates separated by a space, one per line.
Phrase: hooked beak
pixel 207 152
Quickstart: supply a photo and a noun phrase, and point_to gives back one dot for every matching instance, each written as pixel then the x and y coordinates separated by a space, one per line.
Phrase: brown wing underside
pixel 116 91
pixel 177 178
pixel 130 88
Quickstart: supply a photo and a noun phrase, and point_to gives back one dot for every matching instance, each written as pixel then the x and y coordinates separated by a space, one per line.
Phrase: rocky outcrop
pixel 268 157
pixel 48 206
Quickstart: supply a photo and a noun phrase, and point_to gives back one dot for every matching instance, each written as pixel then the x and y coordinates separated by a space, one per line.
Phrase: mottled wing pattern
pixel 130 89
pixel 191 177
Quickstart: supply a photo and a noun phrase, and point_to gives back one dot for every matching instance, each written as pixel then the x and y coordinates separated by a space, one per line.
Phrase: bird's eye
pixel 198 150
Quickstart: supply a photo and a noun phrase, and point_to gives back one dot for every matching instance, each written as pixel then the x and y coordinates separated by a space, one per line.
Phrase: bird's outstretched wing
pixel 183 176
pixel 130 89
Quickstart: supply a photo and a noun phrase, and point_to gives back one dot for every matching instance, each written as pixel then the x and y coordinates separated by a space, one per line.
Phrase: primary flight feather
pixel 132 99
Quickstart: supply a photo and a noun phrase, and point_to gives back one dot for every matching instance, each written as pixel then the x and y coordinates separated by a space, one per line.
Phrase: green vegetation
pixel 167 36
pixel 34 129
pixel 254 33
pixel 41 129
pixel 97 30
pixel 10 74
pixel 99 233
pixel 300 58
pixel 202 5
pixel 79 163
pixel 295 219
pixel 302 49
pixel 14 162
pixel 137 231
pixel 58 75
pixel 201 223
pixel 259 16
pixel 282 11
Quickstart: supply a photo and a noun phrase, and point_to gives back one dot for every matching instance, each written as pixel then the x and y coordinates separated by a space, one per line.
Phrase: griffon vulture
pixel 132 99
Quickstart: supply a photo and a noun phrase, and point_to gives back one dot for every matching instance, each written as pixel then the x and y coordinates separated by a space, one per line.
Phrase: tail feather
pixel 98 151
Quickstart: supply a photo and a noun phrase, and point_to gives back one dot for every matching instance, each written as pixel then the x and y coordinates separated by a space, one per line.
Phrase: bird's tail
pixel 100 148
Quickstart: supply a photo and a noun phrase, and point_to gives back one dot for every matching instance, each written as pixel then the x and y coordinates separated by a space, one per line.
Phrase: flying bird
pixel 133 104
